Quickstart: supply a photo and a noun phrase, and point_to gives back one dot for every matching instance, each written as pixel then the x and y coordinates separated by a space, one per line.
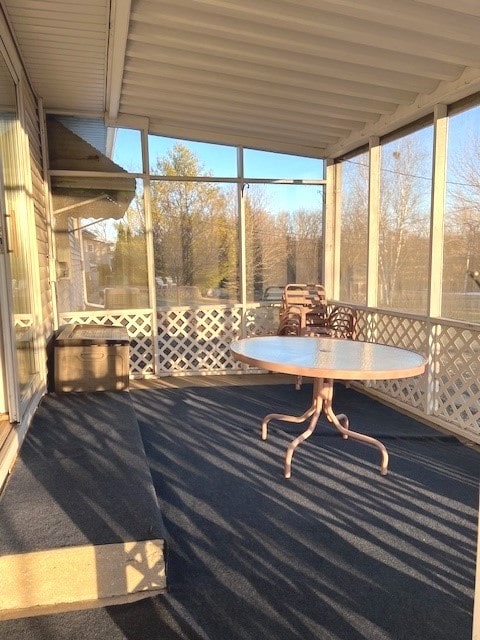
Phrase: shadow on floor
pixel 336 552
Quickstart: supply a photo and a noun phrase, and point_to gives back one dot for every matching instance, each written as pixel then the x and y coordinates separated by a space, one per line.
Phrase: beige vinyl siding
pixel 39 205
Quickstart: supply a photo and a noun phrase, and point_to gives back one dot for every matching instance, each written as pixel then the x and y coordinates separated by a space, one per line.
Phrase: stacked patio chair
pixel 342 322
pixel 305 312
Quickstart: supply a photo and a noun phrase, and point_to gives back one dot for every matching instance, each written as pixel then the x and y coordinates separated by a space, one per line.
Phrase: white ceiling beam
pixel 414 15
pixel 251 61
pixel 447 93
pixel 260 117
pixel 292 137
pixel 330 50
pixel 308 15
pixel 272 91
pixel 225 97
pixel 294 30
pixel 336 126
pixel 127 121
pixel 117 43
pixel 263 127
pixel 166 73
pixel 254 80
pixel 294 80
pixel 469 7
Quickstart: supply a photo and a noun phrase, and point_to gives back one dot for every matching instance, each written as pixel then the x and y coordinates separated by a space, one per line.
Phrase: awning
pixel 85 197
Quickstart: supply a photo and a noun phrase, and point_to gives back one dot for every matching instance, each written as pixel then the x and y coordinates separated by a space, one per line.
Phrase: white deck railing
pixel 195 340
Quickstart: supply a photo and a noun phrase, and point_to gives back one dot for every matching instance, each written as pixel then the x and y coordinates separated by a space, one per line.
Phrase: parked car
pixel 273 294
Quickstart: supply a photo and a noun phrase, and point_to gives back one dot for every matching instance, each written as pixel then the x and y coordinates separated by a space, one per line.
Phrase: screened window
pixel 461 257
pixel 354 183
pixel 20 250
pixel 206 159
pixel 266 164
pixel 284 237
pixel 195 234
pixel 126 149
pixel 100 247
pixel 404 225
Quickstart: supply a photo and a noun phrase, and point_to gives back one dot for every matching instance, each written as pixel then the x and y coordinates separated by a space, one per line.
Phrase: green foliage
pixel 129 263
pixel 193 230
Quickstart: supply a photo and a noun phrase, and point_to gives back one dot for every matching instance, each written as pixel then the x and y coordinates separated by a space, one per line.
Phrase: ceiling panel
pixel 63 46
pixel 313 77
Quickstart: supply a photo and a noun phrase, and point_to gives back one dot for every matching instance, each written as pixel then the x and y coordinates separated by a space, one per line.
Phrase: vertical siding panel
pixel 39 204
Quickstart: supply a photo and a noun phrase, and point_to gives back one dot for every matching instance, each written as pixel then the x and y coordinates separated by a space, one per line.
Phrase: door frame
pixel 9 368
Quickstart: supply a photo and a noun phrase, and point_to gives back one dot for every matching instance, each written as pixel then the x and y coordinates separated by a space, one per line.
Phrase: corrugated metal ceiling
pixel 314 77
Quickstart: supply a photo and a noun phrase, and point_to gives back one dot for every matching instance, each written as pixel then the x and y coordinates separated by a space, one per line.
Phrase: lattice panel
pixel 139 326
pixel 363 327
pixel 404 332
pixel 197 339
pixel 458 379
pixel 23 320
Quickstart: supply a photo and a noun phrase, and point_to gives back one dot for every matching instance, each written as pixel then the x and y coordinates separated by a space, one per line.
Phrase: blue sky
pixel 221 161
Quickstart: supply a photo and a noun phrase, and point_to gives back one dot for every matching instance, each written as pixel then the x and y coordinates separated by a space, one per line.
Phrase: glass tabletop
pixel 328 357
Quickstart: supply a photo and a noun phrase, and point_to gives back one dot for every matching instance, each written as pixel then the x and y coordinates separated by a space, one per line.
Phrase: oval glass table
pixel 326 360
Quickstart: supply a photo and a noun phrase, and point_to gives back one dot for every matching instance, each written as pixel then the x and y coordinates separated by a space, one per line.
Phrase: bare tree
pixel 354 228
pixel 462 220
pixel 404 221
pixel 282 246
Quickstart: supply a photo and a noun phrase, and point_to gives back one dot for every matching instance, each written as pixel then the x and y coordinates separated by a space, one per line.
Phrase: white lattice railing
pixel 407 332
pixel 193 340
pixel 449 393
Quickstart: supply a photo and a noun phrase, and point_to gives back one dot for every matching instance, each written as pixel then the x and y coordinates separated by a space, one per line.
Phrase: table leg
pixel 285 418
pixel 322 400
pixel 326 393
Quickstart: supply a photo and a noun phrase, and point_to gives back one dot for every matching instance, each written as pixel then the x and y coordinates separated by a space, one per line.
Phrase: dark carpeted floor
pixel 336 552
pixel 72 482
